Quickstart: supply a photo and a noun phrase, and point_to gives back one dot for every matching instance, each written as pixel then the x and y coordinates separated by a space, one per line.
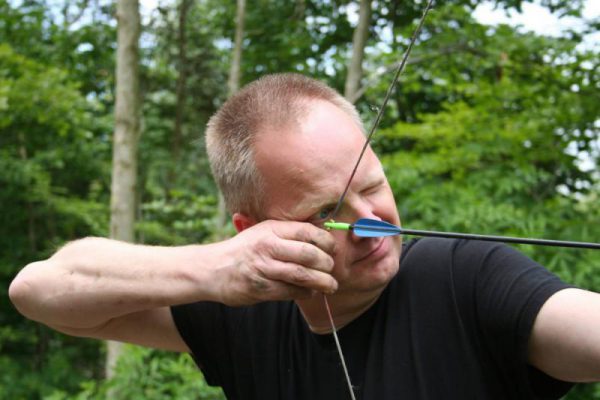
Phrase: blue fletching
pixel 366 227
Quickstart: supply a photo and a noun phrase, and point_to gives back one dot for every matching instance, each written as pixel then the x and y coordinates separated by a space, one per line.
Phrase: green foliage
pixel 52 179
pixel 159 375
pixel 49 159
pixel 55 150
pixel 495 154
pixel 497 159
pixel 147 374
pixel 485 133
pixel 82 46
pixel 180 220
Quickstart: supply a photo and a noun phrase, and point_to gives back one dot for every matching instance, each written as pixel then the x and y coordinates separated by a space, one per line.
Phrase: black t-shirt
pixel 453 324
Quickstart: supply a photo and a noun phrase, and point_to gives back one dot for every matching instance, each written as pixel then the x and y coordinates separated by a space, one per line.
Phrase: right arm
pixel 107 289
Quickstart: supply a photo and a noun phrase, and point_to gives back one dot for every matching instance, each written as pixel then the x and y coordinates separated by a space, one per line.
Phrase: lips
pixel 374 252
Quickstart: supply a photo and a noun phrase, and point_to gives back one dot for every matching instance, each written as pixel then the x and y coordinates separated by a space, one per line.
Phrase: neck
pixel 345 308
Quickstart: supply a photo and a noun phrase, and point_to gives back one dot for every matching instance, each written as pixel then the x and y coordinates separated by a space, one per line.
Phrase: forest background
pixel 491 130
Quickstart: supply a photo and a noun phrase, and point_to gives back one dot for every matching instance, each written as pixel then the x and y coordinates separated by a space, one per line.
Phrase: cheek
pixel 341 250
pixel 342 253
pixel 341 246
pixel 384 206
pixel 389 266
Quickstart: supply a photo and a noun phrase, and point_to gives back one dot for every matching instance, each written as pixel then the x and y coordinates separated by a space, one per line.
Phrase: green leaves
pixel 500 158
pixel 52 190
pixel 490 130
pixel 145 374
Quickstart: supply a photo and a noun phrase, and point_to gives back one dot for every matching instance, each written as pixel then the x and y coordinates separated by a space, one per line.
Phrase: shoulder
pixel 435 256
pixel 474 256
pixel 478 271
pixel 448 250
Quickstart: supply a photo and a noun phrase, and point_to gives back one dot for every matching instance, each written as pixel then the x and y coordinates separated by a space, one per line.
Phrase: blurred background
pixel 494 128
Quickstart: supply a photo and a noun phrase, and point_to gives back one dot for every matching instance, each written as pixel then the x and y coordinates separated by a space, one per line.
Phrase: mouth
pixel 376 252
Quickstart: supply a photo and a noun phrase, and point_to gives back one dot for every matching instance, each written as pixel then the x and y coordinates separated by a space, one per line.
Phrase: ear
pixel 242 222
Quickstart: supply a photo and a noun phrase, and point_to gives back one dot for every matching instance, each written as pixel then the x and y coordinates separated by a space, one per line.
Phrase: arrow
pixel 366 227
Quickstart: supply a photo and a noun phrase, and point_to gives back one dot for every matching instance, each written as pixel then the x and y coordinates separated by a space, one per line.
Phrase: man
pixel 452 319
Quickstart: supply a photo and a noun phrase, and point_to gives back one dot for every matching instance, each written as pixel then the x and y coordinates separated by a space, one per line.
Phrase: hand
pixel 277 260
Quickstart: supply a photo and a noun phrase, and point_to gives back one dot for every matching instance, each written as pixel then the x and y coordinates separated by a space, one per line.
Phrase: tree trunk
pixel 359 41
pixel 236 60
pixel 180 94
pixel 125 143
pixel 233 86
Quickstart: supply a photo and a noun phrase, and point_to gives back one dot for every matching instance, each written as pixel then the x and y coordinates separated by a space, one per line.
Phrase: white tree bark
pixel 126 136
pixel 233 85
pixel 177 139
pixel 236 59
pixel 359 41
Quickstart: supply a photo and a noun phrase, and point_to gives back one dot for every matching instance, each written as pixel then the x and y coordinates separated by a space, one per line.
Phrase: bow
pixel 390 89
pixel 371 228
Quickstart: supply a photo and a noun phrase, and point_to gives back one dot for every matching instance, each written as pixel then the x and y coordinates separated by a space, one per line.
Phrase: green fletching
pixel 340 226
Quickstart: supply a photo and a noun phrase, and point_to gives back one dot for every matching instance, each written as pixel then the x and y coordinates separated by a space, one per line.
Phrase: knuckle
pixel 266 246
pixel 329 263
pixel 328 242
pixel 260 289
pixel 300 275
pixel 309 252
pixel 258 283
pixel 324 236
pixel 321 239
pixel 320 260
pixel 304 234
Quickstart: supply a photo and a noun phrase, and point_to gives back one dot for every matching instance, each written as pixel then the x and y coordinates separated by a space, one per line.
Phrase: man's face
pixel 305 172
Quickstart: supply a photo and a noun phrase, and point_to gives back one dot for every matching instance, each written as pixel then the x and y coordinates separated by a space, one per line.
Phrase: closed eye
pixel 373 188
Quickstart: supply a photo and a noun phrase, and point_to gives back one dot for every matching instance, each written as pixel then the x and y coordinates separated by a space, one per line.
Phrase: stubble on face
pixel 306 167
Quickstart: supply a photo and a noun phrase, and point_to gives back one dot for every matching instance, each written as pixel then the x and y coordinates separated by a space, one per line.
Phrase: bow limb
pixel 399 70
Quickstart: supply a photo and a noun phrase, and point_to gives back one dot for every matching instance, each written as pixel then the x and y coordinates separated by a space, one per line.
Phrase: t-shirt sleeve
pixel 204 329
pixel 509 290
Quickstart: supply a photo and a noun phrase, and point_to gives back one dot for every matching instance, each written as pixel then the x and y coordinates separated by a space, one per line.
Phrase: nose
pixel 358 209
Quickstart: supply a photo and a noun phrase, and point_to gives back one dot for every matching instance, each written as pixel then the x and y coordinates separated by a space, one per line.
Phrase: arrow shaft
pixel 505 239
pixel 367 225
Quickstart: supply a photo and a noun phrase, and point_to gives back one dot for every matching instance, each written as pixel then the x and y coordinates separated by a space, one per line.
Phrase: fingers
pixel 300 276
pixel 258 289
pixel 277 260
pixel 265 289
pixel 307 233
pixel 304 260
pixel 303 254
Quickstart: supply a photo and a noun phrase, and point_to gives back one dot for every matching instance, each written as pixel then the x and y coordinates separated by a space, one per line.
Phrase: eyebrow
pixel 319 205
pixel 375 178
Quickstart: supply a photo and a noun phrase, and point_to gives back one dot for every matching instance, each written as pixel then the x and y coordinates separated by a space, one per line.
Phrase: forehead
pixel 307 166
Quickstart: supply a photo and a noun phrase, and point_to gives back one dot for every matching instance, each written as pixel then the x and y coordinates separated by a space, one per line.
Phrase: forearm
pixel 88 285
pixel 91 281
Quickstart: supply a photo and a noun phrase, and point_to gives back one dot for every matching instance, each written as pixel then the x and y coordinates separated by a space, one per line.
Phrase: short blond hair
pixel 273 101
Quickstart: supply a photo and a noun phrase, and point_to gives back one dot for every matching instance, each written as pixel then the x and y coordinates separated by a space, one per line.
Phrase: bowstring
pixel 380 112
pixel 339 348
pixel 383 105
